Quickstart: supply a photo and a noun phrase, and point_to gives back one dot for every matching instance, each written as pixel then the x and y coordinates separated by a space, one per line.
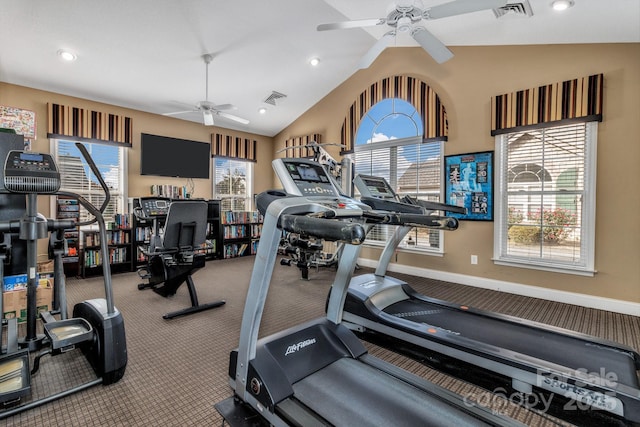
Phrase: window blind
pixel 77 177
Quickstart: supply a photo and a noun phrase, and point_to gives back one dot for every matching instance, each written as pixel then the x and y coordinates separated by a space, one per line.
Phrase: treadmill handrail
pixel 261 276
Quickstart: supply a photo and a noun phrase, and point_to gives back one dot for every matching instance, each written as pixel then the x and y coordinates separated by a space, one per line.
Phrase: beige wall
pixel 465 85
pixel 36 100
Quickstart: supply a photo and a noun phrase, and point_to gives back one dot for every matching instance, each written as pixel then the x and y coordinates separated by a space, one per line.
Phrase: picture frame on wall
pixel 23 122
pixel 469 183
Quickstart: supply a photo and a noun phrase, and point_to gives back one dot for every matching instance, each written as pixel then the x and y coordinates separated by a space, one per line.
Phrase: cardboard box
pixel 15 302
pixel 19 281
pixel 45 266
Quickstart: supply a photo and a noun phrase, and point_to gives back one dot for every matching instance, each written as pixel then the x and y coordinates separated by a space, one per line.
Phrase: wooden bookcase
pixel 70 209
pixel 120 242
pixel 240 233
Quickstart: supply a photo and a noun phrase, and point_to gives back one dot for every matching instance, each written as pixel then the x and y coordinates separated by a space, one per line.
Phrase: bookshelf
pixel 212 244
pixel 120 243
pixel 142 231
pixel 70 209
pixel 240 233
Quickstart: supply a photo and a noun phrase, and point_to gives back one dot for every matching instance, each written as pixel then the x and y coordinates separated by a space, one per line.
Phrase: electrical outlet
pixel 474 259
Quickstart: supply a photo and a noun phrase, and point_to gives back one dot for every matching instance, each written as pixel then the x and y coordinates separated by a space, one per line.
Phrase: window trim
pixel 588 220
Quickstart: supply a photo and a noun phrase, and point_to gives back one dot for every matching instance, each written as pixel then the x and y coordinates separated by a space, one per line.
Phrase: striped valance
pixel 410 89
pixel 297 146
pixel 570 100
pixel 82 124
pixel 233 147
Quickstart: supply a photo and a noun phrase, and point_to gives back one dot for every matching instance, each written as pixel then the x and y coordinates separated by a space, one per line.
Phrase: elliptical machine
pixel 96 326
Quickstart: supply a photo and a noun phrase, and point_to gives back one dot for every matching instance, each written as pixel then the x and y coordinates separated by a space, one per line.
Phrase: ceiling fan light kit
pixel 404 19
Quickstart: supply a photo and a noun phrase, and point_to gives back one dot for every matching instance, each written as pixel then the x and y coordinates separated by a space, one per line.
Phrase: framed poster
pixel 22 121
pixel 469 183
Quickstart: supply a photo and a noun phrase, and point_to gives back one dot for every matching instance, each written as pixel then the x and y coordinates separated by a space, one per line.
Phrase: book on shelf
pixel 170 191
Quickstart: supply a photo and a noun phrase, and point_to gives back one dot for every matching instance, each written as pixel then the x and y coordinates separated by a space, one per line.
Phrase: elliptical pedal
pixel 15 380
pixel 67 334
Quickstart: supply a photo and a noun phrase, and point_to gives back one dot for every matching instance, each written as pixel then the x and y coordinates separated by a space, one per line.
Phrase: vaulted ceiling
pixel 147 54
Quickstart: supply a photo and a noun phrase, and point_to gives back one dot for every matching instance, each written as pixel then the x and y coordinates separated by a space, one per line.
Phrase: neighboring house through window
pixel 546 203
pixel 233 183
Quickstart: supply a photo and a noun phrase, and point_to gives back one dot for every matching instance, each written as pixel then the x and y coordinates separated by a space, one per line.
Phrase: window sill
pixel 545 267
pixel 407 249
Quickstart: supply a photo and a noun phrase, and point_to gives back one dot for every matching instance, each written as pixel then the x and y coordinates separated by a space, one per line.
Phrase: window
pixel 78 178
pixel 545 216
pixel 233 183
pixel 389 144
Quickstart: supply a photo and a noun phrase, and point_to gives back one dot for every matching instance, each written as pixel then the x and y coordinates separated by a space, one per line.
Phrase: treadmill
pixel 584 377
pixel 319 373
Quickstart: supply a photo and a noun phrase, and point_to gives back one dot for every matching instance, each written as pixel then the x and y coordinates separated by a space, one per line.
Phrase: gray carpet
pixel 177 368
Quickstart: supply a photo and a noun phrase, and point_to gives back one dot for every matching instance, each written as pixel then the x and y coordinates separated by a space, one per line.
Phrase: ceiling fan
pixel 403 19
pixel 209 109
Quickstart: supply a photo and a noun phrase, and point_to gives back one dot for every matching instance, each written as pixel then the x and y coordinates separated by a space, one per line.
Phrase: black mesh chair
pixel 174 262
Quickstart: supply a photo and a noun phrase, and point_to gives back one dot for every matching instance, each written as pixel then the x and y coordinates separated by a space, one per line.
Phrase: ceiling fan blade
pixel 232 117
pixel 179 112
pixel 431 44
pixel 376 50
pixel 460 7
pixel 225 107
pixel 207 118
pixel 352 24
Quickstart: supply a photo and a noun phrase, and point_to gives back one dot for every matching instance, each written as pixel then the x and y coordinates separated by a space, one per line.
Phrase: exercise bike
pixel 173 254
pixel 96 327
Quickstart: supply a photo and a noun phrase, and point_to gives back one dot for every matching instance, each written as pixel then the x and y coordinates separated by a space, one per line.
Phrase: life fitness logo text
pixel 296 347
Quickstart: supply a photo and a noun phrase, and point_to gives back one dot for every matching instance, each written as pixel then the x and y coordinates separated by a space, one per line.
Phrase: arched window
pixel 389 143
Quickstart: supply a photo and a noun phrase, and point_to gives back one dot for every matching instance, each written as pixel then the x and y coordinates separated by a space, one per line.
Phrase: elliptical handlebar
pixel 96 172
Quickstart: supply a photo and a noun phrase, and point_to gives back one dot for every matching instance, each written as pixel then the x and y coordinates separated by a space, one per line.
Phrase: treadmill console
pixel 376 192
pixel 304 178
pixel 374 186
pixel 154 207
pixel 28 172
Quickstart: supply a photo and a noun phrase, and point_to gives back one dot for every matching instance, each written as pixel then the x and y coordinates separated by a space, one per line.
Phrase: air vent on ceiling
pixel 273 97
pixel 518 8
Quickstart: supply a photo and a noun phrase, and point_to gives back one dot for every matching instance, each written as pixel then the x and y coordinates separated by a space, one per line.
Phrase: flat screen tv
pixel 174 157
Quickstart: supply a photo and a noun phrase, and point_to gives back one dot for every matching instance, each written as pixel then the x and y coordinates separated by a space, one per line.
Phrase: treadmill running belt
pixel 351 393
pixel 549 346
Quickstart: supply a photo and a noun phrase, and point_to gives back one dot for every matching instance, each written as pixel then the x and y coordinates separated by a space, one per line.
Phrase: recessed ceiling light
pixel 314 62
pixel 560 5
pixel 262 110
pixel 67 55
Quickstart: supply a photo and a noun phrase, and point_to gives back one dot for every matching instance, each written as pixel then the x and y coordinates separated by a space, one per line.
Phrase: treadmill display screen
pixel 308 173
pixel 379 188
pixel 310 179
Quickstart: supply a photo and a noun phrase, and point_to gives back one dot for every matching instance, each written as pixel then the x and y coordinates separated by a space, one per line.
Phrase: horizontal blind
pixel 545 183
pixel 411 169
pixel 232 184
pixel 77 177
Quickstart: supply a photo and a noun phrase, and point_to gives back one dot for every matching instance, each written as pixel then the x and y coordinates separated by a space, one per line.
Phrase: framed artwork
pixel 469 183
pixel 22 121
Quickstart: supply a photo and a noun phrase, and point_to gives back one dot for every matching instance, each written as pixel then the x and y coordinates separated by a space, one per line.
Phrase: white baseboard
pixel 590 301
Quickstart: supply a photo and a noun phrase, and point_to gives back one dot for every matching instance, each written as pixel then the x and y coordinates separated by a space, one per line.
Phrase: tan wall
pixel 465 85
pixel 36 100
